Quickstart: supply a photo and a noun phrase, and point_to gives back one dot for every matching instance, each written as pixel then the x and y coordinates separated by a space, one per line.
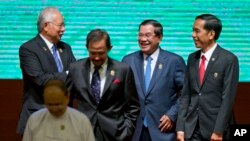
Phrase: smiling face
pixel 147 39
pixel 54 29
pixel 202 38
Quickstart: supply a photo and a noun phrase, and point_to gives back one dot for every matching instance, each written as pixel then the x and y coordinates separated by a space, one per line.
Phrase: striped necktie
pixel 57 60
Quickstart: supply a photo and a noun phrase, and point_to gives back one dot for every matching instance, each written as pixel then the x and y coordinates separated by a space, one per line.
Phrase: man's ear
pixel 110 48
pixel 211 34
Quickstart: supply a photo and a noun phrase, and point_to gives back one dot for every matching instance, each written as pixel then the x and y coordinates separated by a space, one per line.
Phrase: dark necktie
pixel 96 85
pixel 202 68
pixel 57 60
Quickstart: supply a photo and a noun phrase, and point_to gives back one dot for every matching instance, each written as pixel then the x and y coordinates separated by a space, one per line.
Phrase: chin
pixel 144 50
pixel 57 115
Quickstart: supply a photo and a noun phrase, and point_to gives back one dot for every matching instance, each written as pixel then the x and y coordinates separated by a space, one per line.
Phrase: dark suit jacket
pixel 162 96
pixel 212 102
pixel 114 118
pixel 38 66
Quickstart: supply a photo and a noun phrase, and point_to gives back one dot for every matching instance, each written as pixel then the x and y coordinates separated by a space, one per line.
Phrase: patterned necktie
pixel 96 85
pixel 202 68
pixel 148 72
pixel 57 60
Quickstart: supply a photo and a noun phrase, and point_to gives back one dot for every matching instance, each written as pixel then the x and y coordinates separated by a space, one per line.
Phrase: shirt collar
pixel 209 53
pixel 48 43
pixel 103 66
pixel 154 55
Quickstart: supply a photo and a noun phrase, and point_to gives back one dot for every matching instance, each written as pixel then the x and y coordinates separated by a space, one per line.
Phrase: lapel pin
pixel 112 72
pixel 160 66
pixel 215 74
pixel 62 127
pixel 44 48
pixel 60 50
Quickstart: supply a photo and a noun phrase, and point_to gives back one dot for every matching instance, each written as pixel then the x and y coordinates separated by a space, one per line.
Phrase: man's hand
pixel 166 123
pixel 180 136
pixel 216 137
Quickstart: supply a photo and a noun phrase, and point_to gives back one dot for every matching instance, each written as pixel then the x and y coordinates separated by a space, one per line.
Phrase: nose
pixel 142 38
pixel 63 28
pixel 193 34
pixel 97 58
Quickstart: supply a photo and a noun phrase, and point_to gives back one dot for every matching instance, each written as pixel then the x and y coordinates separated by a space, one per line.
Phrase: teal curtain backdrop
pixel 121 19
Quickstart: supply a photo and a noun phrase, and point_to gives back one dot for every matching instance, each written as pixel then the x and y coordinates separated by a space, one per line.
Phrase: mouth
pixel 195 41
pixel 144 45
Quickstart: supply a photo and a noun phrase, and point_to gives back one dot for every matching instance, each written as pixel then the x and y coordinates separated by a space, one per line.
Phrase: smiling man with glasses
pixel 60 25
pixel 159 78
pixel 43 58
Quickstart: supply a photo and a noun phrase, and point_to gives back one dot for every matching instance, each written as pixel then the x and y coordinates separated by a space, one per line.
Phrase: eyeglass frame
pixel 147 35
pixel 58 25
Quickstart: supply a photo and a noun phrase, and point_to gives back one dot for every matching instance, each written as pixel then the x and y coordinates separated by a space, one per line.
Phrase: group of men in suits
pixel 150 96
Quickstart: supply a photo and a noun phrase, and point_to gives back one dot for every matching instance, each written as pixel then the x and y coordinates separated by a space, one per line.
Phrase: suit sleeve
pixel 132 106
pixel 179 73
pixel 230 84
pixel 33 70
pixel 183 102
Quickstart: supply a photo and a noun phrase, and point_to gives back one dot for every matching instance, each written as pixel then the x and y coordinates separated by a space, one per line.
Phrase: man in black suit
pixel 210 86
pixel 105 90
pixel 42 58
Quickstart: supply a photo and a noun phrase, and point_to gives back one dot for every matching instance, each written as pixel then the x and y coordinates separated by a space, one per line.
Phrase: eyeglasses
pixel 58 25
pixel 147 35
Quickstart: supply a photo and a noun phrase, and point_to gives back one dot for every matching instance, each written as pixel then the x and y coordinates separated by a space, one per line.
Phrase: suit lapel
pixel 197 68
pixel 139 65
pixel 211 62
pixel 161 64
pixel 47 52
pixel 86 81
pixel 110 74
pixel 86 72
pixel 44 47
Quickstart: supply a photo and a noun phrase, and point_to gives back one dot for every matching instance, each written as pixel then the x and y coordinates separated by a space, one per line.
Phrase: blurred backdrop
pixel 121 19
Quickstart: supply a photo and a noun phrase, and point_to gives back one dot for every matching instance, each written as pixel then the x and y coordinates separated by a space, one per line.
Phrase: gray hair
pixel 46 15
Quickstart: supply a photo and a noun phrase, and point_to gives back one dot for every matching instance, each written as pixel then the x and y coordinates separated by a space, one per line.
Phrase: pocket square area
pixel 116 81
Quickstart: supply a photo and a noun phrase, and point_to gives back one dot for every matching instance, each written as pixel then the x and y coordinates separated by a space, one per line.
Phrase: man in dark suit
pixel 38 63
pixel 105 90
pixel 159 92
pixel 210 85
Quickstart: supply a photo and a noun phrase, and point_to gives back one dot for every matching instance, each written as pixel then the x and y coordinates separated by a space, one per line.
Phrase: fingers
pixel 165 123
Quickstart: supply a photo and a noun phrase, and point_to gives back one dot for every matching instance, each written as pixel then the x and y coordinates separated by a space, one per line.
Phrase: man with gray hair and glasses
pixel 42 58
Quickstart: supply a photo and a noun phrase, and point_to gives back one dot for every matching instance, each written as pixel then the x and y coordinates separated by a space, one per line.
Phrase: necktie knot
pixel 54 48
pixel 203 58
pixel 149 59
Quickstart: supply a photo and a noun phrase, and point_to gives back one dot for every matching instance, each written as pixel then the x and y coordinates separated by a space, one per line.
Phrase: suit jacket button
pixel 146 102
pixel 199 93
